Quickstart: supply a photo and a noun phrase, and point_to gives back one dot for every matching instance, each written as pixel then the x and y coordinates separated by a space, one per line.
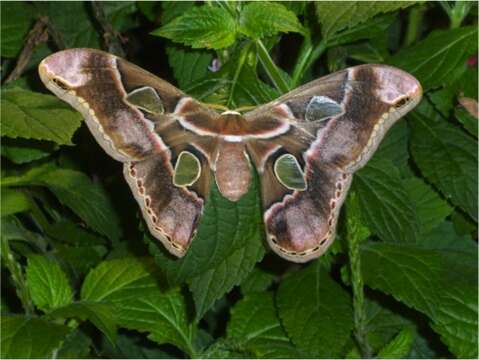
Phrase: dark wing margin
pixel 369 99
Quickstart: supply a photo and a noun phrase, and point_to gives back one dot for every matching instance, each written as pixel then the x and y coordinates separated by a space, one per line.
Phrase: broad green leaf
pixel 255 324
pixel 21 151
pixel 68 232
pixel 435 61
pixel 386 206
pixel 31 115
pixel 336 16
pixel 17 19
pixel 188 65
pixel 368 30
pixel 315 312
pixel 399 347
pixel 431 210
pixel 48 284
pixel 164 316
pixel 394 146
pixel 132 346
pixel 82 32
pixel 447 157
pixel 230 234
pixel 215 282
pixel 444 237
pixel 257 280
pixel 30 338
pixel 76 346
pixel 79 259
pixel 261 19
pixel 13 201
pixel 119 280
pixel 201 27
pixel 173 9
pixel 102 315
pixel 226 349
pixel 441 284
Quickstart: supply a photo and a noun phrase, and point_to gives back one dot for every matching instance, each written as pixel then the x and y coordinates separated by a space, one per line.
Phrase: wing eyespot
pixel 61 84
pixel 401 102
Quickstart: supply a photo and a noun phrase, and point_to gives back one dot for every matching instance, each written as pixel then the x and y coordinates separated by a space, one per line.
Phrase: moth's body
pixel 305 145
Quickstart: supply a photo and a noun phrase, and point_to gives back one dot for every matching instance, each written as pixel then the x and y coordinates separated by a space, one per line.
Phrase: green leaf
pixel 336 16
pixel 368 30
pixel 315 311
pixel 163 315
pixel 469 122
pixel 395 146
pixel 447 157
pixel 201 27
pixel 21 151
pixel 214 283
pixel 188 65
pixel 102 315
pixel 30 338
pixel 17 19
pixel 431 210
pixel 257 280
pixel 386 206
pixel 441 284
pixel 48 284
pixel 13 201
pixel 255 324
pixel 229 233
pixel 399 347
pixel 173 9
pixel 82 32
pixel 76 346
pixel 435 61
pixel 444 237
pixel 32 115
pixel 119 280
pixel 261 19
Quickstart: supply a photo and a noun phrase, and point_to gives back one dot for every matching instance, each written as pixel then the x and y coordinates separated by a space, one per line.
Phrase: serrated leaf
pixel 201 27
pixel 431 210
pixel 214 283
pixel 13 201
pixel 173 9
pixel 17 18
pixel 442 285
pixel 336 16
pixel 30 338
pixel 315 312
pixel 164 316
pixel 261 19
pixel 226 228
pixel 102 315
pixel 21 151
pixel 31 115
pixel 48 284
pixel 435 61
pixel 255 324
pixel 257 280
pixel 399 347
pixel 447 157
pixel 188 65
pixel 386 206
pixel 119 280
pixel 132 346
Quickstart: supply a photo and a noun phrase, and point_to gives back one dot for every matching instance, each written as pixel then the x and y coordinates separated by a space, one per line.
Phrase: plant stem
pixel 356 233
pixel 241 61
pixel 414 22
pixel 18 277
pixel 271 68
pixel 307 57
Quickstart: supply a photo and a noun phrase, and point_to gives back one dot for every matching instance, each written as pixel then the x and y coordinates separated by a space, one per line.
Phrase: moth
pixel 305 146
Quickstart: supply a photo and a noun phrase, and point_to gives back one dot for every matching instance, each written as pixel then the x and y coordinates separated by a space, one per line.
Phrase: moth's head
pixel 62 71
pixel 397 88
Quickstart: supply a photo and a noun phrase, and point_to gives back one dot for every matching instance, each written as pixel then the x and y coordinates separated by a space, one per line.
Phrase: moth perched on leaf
pixel 306 145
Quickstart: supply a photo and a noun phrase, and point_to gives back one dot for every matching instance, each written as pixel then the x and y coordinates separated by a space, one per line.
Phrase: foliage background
pixel 81 278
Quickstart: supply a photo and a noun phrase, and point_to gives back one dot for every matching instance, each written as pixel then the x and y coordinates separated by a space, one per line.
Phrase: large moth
pixel 305 145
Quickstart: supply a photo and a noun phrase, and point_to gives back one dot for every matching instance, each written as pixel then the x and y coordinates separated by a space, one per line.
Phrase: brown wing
pixel 336 123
